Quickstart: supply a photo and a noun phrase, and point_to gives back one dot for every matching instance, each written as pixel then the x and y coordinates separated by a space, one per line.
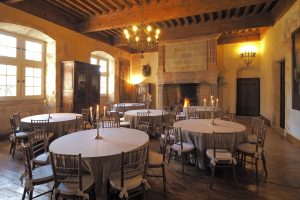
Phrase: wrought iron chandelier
pixel 142 37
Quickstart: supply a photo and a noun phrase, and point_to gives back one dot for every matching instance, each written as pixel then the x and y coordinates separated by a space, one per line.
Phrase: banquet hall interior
pixel 150 99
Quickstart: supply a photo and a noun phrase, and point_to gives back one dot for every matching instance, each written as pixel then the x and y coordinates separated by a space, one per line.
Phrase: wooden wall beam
pixel 158 12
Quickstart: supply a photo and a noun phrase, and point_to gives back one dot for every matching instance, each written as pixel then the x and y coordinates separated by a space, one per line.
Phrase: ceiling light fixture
pixel 142 37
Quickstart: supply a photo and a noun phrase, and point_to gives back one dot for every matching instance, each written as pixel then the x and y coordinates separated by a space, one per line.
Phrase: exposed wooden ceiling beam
pixel 210 28
pixel 281 7
pixel 65 9
pixel 158 12
pixel 53 14
pixel 236 38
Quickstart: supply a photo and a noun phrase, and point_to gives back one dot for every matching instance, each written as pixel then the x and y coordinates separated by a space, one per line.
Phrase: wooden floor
pixel 283 181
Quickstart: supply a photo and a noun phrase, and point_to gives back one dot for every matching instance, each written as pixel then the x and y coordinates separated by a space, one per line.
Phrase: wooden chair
pixel 17 120
pixel 130 180
pixel 16 137
pixel 33 177
pixel 227 116
pixel 39 144
pixel 181 148
pixel 254 151
pixel 86 118
pixel 167 138
pixel 256 124
pixel 143 123
pixel 78 125
pixel 69 181
pixel 166 108
pixel 109 122
pixel 158 160
pixel 191 113
pixel 42 124
pixel 222 153
pixel 117 118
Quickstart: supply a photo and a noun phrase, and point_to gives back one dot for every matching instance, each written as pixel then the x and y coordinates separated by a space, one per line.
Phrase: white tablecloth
pixel 155 117
pixel 199 132
pixel 57 122
pixel 123 107
pixel 102 156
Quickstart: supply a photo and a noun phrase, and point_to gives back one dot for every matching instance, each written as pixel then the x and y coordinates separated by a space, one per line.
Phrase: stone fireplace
pixel 187 69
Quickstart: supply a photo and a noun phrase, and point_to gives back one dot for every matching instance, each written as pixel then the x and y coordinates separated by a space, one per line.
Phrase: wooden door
pixel 282 94
pixel 82 90
pixel 248 96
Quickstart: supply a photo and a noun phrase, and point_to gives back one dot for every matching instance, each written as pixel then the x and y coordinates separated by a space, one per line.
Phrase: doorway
pixel 248 97
pixel 282 94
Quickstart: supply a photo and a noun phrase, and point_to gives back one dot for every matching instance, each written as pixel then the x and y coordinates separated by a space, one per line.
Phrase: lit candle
pixel 144 98
pixel 91 112
pixel 104 110
pixel 204 100
pixel 97 112
pixel 44 101
pixel 212 103
pixel 211 98
pixel 217 102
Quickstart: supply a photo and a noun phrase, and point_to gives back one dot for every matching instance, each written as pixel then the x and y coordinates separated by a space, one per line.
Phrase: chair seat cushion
pixel 172 137
pixel 186 147
pixel 129 184
pixel 221 155
pixel 252 139
pixel 41 174
pixel 21 135
pixel 124 124
pixel 122 119
pixel 155 158
pixel 248 148
pixel 42 159
pixel 72 189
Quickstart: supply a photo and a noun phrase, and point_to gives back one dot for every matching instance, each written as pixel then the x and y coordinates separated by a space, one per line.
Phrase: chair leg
pixel 234 172
pixel 170 154
pixel 182 165
pixel 14 149
pixel 264 163
pixel 11 147
pixel 24 193
pixel 212 176
pixel 164 177
pixel 30 195
pixel 256 170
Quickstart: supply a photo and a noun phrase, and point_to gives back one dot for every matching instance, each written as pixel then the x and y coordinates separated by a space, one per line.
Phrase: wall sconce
pixel 248 54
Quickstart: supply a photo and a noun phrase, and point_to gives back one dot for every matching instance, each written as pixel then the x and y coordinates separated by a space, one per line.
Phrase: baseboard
pixel 293 140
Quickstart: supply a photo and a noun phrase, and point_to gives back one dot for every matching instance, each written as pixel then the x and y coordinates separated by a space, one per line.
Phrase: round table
pixel 57 122
pixel 101 156
pixel 199 132
pixel 123 107
pixel 155 117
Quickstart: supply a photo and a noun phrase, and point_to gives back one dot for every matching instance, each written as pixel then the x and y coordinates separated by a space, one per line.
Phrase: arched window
pixel 107 66
pixel 22 66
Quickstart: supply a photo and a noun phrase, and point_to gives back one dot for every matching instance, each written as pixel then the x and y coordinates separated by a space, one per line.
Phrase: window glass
pixel 93 61
pixel 8 46
pixel 103 84
pixel 8 80
pixel 103 65
pixel 33 81
pixel 33 51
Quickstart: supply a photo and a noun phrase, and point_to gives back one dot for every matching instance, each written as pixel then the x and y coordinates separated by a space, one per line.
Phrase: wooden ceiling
pixel 232 20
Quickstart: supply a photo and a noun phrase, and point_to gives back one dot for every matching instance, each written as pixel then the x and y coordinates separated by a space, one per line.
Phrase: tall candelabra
pixel 48 108
pixel 212 115
pixel 98 136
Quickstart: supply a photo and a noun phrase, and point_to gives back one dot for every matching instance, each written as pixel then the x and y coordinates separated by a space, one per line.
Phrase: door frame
pixel 258 100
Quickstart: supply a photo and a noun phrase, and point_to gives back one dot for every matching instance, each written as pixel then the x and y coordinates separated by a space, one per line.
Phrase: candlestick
pixel 144 98
pixel 91 112
pixel 97 112
pixel 217 102
pixel 98 137
pixel 104 110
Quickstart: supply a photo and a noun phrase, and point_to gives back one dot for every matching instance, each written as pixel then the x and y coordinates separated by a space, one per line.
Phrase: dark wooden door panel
pixel 282 94
pixel 248 96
